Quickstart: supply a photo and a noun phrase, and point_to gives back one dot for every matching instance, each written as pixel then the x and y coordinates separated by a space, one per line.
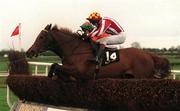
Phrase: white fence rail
pixel 175 73
pixel 36 64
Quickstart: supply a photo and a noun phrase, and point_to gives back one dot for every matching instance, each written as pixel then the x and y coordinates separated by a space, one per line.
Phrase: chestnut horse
pixel 75 54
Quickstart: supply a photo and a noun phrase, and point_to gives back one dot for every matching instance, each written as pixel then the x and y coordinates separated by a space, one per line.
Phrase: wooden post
pixel 8 97
pixel 36 69
pixel 46 70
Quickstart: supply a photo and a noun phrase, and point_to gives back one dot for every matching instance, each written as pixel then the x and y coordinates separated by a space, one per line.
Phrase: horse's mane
pixel 65 30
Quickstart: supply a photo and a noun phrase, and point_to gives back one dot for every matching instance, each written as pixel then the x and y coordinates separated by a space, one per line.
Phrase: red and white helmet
pixel 94 16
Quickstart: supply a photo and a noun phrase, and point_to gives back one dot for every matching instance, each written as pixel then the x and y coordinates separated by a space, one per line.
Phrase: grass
pixel 2 82
pixel 176 67
pixel 3 64
pixel 3 104
pixel 3 91
pixel 50 59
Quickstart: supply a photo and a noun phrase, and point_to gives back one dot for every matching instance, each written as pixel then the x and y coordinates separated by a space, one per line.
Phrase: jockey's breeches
pixel 113 39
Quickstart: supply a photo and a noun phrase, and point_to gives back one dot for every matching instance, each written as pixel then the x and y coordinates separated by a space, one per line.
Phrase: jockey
pixel 107 33
pixel 87 28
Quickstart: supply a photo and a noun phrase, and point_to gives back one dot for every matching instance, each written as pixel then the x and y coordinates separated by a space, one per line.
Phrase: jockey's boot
pixel 94 46
pixel 100 51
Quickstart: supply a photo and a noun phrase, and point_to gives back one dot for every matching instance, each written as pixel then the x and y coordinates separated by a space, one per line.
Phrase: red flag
pixel 16 31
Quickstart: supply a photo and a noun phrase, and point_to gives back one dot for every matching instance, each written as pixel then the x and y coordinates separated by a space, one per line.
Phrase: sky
pixel 152 23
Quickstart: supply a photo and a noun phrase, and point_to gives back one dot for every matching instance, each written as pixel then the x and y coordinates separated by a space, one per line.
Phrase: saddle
pixel 111 49
pixel 110 55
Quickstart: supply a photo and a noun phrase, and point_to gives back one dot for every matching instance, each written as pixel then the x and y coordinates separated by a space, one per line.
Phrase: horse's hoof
pixel 157 76
pixel 23 100
pixel 73 79
pixel 49 75
pixel 55 77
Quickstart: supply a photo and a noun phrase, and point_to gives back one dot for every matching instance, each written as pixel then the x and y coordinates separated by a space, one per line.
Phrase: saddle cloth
pixel 110 55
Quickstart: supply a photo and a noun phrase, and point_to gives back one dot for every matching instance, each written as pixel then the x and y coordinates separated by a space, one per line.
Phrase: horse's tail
pixel 162 65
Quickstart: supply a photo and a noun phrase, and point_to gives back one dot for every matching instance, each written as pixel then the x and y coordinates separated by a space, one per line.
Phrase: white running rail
pixel 46 65
pixel 175 73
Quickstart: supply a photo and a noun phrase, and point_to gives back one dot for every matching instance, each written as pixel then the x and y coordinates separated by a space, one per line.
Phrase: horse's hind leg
pixel 141 72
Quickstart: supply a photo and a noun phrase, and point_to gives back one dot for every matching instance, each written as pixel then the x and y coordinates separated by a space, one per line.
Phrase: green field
pixel 3 91
pixel 3 104
pixel 3 64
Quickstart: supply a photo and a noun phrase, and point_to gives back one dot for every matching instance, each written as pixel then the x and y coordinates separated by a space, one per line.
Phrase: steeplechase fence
pixel 175 74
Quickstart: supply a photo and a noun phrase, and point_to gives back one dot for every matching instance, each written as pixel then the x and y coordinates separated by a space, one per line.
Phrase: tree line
pixel 171 50
pixel 48 53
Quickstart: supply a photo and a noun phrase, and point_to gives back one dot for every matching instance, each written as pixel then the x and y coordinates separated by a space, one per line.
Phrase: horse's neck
pixel 57 51
pixel 68 46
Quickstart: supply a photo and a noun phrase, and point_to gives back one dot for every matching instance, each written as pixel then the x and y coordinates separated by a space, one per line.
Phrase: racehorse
pixel 75 54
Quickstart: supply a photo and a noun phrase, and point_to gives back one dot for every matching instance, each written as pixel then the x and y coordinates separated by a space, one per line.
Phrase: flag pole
pixel 20 45
pixel 13 45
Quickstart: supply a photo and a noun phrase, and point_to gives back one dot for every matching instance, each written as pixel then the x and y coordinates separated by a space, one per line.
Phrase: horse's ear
pixel 48 27
pixel 55 27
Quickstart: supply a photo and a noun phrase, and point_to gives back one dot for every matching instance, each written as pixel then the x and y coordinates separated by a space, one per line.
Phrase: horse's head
pixel 42 43
pixel 62 42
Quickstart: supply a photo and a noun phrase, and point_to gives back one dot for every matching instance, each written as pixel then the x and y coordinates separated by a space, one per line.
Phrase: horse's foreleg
pixel 52 70
pixel 63 72
pixel 70 72
pixel 55 72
